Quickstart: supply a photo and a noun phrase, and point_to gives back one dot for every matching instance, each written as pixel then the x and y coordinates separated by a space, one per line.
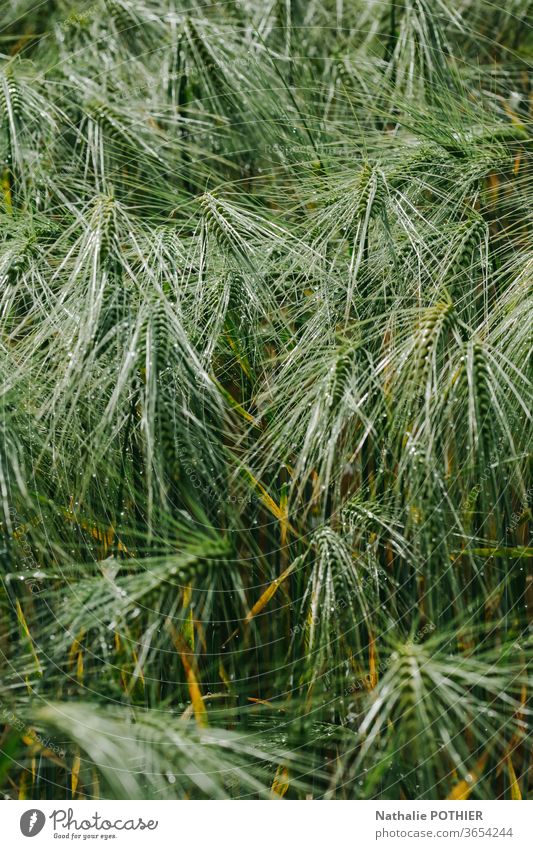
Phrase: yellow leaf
pixel 373 665
pixel 266 596
pixel 284 511
pixel 188 625
pixel 189 665
pixel 513 781
pixel 269 592
pixel 494 188
pixel 75 648
pixel 233 403
pixel 138 666
pixel 242 359
pixel 22 620
pixel 265 703
pixel 463 789
pixel 280 785
pixel 22 786
pixel 75 774
pixel 223 675
pixel 96 785
pixel 200 713
pixel 6 190
pixel 517 552
pixel 268 501
pixel 79 667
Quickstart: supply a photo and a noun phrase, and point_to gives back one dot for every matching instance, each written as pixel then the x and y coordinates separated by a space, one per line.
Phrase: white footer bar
pixel 267 825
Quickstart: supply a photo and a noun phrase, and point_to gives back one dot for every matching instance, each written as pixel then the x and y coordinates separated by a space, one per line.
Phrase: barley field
pixel 266 307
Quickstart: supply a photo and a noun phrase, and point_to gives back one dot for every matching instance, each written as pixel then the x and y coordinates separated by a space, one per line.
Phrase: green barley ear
pixel 334 590
pixel 342 375
pixel 170 243
pixel 121 139
pixel 117 309
pixel 223 230
pixel 475 385
pixel 211 214
pixel 471 238
pixel 162 339
pixel 288 19
pixel 371 192
pixel 205 59
pixel 10 115
pixel 122 16
pixel 10 97
pixel 197 42
pixel 434 322
pixel 103 222
pixel 103 114
pixel 350 69
pixel 342 72
pixel 239 307
pixel 482 392
pixel 155 363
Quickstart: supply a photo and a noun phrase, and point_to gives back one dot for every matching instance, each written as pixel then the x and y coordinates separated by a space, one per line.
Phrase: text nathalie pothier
pixel 429 815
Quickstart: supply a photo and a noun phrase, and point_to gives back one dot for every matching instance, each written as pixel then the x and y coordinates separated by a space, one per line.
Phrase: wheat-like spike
pixel 404 252
pixel 473 234
pixel 284 12
pixel 205 59
pixel 10 97
pixel 339 380
pixel 238 301
pixel 222 229
pixel 343 74
pixel 121 16
pixel 481 384
pixel 104 115
pixel 169 239
pixel 10 114
pixel 162 336
pixel 21 259
pixel 371 190
pixel 320 593
pixel 104 223
pixel 328 545
pixel 434 322
pixel 158 331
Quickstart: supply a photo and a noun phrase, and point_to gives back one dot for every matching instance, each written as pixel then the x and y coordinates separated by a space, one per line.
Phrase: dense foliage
pixel 266 307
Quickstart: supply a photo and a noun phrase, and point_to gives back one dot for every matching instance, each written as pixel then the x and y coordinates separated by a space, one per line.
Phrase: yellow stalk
pixel 513 781
pixel 22 620
pixel 75 774
pixel 464 788
pixel 266 596
pixel 280 785
pixel 189 665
